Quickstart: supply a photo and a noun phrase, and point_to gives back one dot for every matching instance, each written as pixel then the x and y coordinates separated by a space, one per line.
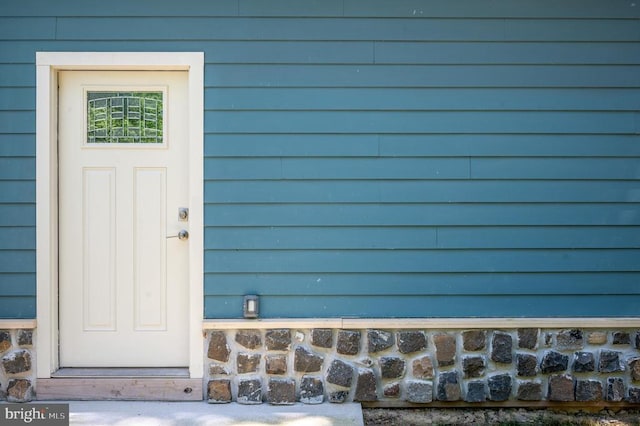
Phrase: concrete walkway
pixel 130 413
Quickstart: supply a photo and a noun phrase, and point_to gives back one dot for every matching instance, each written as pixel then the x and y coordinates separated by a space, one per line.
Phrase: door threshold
pixel 127 372
pixel 124 384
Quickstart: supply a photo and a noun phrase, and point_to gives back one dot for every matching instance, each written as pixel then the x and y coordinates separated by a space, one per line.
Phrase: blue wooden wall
pixel 377 158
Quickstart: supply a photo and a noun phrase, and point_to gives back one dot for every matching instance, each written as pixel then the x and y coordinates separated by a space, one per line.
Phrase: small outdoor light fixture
pixel 251 306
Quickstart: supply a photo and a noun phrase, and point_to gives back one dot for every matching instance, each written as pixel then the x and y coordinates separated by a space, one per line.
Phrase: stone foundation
pixel 17 372
pixel 312 366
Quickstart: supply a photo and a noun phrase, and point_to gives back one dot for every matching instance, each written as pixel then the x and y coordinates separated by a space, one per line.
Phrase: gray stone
pixel 528 338
pixel 219 391
pixel 392 367
pixel 311 390
pixel 445 349
pixel 17 362
pixel 476 392
pixel 338 397
pixel 570 339
pixel 392 390
pixel 588 390
pixel 548 339
pixel 610 362
pixel 305 361
pixel 499 387
pixel 278 340
pixel 5 340
pixel 561 388
pixel 366 386
pixel 250 391
pixel 423 367
pixel 281 392
pixel 379 340
pixel 340 373
pixel 501 347
pixel 529 391
pixel 247 363
pixel 276 364
pixel 25 338
pixel 411 341
pixel 634 366
pixel 250 339
pixel 473 366
pixel 19 390
pixel 218 370
pixel 526 365
pixel 322 337
pixel 448 386
pixel 615 389
pixel 638 340
pixel 621 338
pixel 474 340
pixel 584 362
pixel 348 342
pixel 554 362
pixel 218 347
pixel 634 395
pixel 419 391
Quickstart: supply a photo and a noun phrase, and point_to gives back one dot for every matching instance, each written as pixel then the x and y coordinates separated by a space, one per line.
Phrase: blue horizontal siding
pixel 423 145
pixel 277 75
pixel 432 307
pixel 242 28
pixel 453 214
pixel 17 238
pixel 423 168
pixel 413 237
pixel 27 28
pixel 497 8
pixel 419 122
pixel 399 261
pixel 12 99
pixel 17 214
pixel 17 307
pixel 347 8
pixel 17 168
pixel 17 121
pixel 421 191
pixel 337 168
pixel 511 145
pixel 424 284
pixel 18 145
pixel 423 99
pixel 506 53
pixel 17 260
pixel 373 158
pixel 22 191
pixel 18 284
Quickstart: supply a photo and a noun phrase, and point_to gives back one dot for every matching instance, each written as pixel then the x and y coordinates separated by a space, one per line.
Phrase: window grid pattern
pixel 124 117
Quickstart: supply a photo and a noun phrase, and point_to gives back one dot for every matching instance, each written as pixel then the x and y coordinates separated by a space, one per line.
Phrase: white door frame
pixel 48 64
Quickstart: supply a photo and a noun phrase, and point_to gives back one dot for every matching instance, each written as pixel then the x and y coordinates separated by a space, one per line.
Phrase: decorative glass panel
pixel 124 117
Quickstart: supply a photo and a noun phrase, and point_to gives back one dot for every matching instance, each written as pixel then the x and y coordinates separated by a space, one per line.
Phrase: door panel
pixel 122 178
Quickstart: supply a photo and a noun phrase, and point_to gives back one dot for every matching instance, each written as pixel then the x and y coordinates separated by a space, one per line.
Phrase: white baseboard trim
pixel 422 323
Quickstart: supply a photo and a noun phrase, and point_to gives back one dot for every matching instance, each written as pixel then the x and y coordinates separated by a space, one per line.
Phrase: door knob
pixel 182 235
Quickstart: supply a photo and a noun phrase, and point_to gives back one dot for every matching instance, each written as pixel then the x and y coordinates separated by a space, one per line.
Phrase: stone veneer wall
pixel 17 374
pixel 283 366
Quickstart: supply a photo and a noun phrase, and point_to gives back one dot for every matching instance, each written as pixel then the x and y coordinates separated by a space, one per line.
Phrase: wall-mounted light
pixel 251 306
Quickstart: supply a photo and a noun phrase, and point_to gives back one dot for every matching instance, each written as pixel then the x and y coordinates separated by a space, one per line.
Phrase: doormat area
pixel 503 417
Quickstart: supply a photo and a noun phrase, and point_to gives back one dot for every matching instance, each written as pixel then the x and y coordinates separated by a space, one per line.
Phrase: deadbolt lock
pixel 183 214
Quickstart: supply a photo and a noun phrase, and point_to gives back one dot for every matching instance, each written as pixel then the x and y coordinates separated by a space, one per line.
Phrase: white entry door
pixel 123 273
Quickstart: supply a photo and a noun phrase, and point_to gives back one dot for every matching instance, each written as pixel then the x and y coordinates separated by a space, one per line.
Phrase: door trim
pixel 47 65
